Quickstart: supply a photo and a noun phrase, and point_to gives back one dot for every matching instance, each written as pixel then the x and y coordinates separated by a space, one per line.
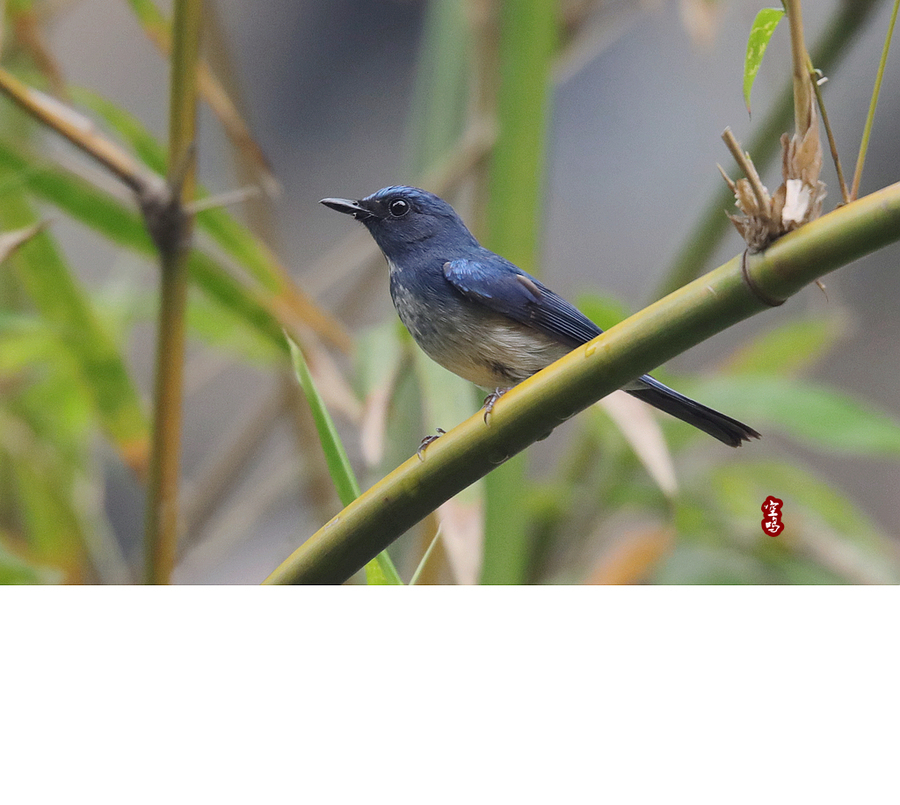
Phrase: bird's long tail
pixel 717 425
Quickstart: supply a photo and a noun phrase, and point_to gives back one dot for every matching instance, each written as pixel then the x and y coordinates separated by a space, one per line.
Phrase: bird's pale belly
pixel 502 356
pixel 479 345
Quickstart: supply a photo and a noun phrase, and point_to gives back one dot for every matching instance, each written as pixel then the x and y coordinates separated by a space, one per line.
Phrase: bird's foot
pixel 427 441
pixel 490 401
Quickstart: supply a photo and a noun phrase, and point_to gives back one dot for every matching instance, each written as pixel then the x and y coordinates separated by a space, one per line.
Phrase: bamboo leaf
pixel 75 196
pixel 380 570
pixel 42 490
pixel 16 570
pixel 61 300
pixel 147 148
pixel 120 224
pixel 790 349
pixel 760 33
pixel 817 415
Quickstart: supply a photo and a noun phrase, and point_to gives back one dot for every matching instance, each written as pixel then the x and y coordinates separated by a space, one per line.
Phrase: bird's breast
pixel 471 340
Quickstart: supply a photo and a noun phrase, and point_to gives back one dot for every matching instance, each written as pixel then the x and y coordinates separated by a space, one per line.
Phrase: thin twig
pixel 744 163
pixel 867 130
pixel 845 193
pixel 237 196
pixel 78 130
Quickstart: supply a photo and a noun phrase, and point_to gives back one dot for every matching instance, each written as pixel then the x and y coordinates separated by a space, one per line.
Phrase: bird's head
pixel 404 219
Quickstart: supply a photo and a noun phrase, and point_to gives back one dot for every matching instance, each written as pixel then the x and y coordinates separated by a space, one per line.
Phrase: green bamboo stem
pixel 171 229
pixel 529 35
pixel 638 345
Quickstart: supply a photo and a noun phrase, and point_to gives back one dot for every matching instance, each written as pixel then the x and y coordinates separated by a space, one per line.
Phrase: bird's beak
pixel 348 207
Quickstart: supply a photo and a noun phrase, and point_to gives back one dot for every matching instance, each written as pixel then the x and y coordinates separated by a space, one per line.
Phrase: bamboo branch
pixel 170 225
pixel 80 131
pixel 832 144
pixel 799 61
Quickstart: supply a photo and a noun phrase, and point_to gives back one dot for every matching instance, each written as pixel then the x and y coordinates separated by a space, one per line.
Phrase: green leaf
pixel 380 570
pixel 789 349
pixel 122 225
pixel 17 7
pixel 763 27
pixel 150 17
pixel 15 570
pixel 42 491
pixel 25 341
pixel 147 148
pixel 224 328
pixel 705 564
pixel 604 311
pixel 119 222
pixel 742 487
pixel 817 415
pixel 60 299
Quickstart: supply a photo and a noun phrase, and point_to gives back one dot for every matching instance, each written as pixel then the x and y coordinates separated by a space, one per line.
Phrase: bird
pixel 482 317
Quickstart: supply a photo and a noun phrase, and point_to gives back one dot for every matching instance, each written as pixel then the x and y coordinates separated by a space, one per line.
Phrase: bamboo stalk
pixel 171 228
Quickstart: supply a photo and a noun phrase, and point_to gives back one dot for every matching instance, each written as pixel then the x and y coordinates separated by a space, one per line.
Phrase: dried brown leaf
pixel 642 431
pixel 795 202
pixel 633 557
pixel 701 20
pixel 462 531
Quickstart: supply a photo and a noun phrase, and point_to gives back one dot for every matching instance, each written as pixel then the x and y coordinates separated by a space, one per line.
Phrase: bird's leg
pixel 427 441
pixel 490 401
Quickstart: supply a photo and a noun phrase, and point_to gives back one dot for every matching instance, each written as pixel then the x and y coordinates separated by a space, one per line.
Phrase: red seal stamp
pixel 771 522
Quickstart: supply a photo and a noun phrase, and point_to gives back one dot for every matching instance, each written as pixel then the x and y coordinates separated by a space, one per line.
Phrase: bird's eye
pixel 398 207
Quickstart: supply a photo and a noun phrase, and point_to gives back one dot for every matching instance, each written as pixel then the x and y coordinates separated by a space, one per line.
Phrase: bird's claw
pixel 427 441
pixel 490 401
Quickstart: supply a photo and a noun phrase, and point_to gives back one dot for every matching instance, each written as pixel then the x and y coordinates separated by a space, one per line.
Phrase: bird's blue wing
pixel 499 285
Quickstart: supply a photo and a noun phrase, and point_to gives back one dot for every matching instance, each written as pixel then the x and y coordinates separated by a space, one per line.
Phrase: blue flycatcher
pixel 481 317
